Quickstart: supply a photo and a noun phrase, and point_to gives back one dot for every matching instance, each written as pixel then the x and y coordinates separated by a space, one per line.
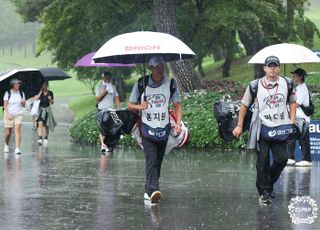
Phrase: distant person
pixel 106 97
pixel 44 118
pixel 153 106
pixel 303 97
pixel 271 99
pixel 13 102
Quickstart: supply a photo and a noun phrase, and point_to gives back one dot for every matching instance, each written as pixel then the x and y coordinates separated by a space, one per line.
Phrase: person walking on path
pixel 303 98
pixel 44 118
pixel 13 102
pixel 106 97
pixel 271 101
pixel 153 105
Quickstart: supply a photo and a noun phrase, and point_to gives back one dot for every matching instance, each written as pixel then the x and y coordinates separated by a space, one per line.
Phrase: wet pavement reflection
pixel 66 186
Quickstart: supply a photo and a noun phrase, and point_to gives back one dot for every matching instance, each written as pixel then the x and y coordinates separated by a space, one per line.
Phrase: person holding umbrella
pixel 44 118
pixel 273 94
pixel 153 105
pixel 302 94
pixel 106 96
pixel 13 102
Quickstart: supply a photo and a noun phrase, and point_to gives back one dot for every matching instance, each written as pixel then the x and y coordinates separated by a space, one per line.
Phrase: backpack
pixel 143 81
pixel 308 110
pixel 9 94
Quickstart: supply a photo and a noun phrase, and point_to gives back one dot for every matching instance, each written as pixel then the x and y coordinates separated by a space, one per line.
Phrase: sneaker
pixel 17 151
pixel 304 164
pixel 39 142
pixel 155 197
pixel 104 149
pixel 146 197
pixel 291 161
pixel 45 142
pixel 6 148
pixel 265 198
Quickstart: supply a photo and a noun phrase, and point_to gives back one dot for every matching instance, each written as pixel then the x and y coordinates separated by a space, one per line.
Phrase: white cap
pixel 156 60
pixel 14 81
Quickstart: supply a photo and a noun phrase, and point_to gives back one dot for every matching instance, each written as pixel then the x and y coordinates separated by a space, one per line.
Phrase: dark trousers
pixel 154 154
pixel 267 174
pixel 304 142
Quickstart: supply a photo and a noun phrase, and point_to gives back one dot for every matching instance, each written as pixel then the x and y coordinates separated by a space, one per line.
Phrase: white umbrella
pixel 287 53
pixel 139 47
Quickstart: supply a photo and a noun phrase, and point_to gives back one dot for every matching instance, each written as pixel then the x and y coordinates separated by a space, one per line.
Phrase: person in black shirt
pixel 44 118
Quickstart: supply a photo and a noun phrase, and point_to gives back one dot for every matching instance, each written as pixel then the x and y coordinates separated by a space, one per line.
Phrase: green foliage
pixel 198 115
pixel 85 130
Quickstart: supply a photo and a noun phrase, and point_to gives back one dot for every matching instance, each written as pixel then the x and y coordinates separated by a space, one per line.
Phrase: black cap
pixel 272 59
pixel 300 72
pixel 106 74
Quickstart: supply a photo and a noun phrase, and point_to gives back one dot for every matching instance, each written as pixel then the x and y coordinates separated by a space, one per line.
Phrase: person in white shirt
pixel 107 97
pixel 271 103
pixel 302 95
pixel 13 102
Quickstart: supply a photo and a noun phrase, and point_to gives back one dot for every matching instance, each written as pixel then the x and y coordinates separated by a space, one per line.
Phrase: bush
pixel 85 130
pixel 197 114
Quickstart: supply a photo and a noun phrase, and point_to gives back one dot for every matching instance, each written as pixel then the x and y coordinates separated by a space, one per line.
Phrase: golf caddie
pixel 151 97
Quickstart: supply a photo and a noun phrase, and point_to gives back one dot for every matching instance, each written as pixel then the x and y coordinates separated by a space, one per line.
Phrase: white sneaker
pixel 6 148
pixel 146 197
pixel 39 142
pixel 304 164
pixel 291 162
pixel 17 151
pixel 45 142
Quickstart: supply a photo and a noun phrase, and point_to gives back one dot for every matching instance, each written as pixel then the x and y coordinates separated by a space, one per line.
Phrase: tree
pixel 165 18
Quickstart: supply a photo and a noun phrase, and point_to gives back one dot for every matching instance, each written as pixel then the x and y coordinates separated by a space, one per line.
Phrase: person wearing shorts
pixel 13 103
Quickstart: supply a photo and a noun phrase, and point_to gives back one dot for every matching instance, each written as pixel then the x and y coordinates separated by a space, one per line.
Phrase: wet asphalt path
pixel 66 186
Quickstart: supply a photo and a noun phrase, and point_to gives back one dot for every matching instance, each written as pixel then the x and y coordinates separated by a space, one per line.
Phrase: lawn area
pixel 83 105
pixel 25 58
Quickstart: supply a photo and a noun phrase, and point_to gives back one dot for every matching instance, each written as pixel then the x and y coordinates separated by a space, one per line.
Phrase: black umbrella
pixel 53 73
pixel 31 81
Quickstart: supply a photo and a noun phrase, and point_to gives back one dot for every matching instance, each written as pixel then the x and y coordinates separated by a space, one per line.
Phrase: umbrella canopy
pixel 86 61
pixel 139 47
pixel 31 81
pixel 287 53
pixel 53 73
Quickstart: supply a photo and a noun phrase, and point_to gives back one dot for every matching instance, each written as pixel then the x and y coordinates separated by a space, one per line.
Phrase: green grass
pixel 83 105
pixel 24 58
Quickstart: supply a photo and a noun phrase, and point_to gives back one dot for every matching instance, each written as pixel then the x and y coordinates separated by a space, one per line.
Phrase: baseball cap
pixel 300 72
pixel 14 81
pixel 156 60
pixel 106 74
pixel 272 59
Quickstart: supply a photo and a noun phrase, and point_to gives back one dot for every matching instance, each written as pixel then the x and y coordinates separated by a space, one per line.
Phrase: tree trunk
pixel 165 19
pixel 120 85
pixel 290 18
pixel 251 41
pixel 258 71
pixel 226 66
pixel 200 68
pixel 217 53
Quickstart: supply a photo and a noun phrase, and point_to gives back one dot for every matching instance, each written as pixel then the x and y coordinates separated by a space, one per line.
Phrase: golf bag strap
pixel 253 87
